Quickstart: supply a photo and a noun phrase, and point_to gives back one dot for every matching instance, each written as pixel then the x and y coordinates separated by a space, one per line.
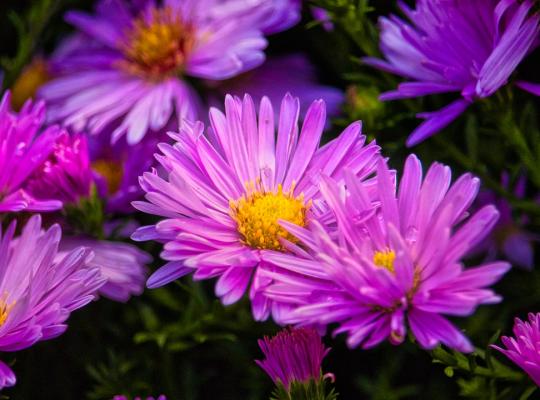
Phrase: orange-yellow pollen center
pixel 157 46
pixel 31 79
pixel 385 259
pixel 111 171
pixel 257 216
pixel 4 310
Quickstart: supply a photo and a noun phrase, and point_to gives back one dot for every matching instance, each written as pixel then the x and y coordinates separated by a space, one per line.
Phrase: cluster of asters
pixel 315 235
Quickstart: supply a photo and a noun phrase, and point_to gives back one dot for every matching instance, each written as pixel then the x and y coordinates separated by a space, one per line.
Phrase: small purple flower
pixel 117 168
pixel 66 174
pixel 23 149
pixel 390 265
pixel 121 264
pixel 39 290
pixel 223 193
pixel 524 348
pixel 127 77
pixel 473 52
pixel 509 236
pixel 293 355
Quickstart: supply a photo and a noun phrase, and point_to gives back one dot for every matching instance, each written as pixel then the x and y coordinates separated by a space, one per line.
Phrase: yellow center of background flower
pixel 28 82
pixel 157 47
pixel 111 171
pixel 258 213
pixel 385 259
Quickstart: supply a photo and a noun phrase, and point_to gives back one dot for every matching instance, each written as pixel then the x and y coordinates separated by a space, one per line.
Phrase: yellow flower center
pixel 111 171
pixel 257 216
pixel 157 46
pixel 30 80
pixel 385 259
pixel 4 310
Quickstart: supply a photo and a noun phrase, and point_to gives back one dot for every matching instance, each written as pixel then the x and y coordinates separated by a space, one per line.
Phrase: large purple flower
pixel 390 265
pixel 121 264
pixel 471 47
pixel 224 192
pixel 127 76
pixel 23 149
pixel 524 348
pixel 39 291
pixel 293 355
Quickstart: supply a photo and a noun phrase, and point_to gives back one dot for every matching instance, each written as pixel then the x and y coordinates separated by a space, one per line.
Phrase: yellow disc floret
pixel 385 259
pixel 111 171
pixel 157 47
pixel 257 215
pixel 4 310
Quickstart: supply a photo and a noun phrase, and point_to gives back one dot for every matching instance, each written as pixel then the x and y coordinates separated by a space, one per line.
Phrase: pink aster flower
pixel 390 265
pixel 223 192
pixel 524 348
pixel 127 76
pixel 294 354
pixel 23 149
pixel 66 173
pixel 473 52
pixel 121 264
pixel 39 292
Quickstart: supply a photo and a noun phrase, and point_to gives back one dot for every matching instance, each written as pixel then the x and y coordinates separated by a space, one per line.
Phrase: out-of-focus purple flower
pixel 524 348
pixel 38 289
pixel 66 174
pixel 117 168
pixel 122 397
pixel 224 192
pixel 321 15
pixel 392 265
pixel 126 77
pixel 294 354
pixel 508 237
pixel 121 264
pixel 23 149
pixel 281 75
pixel 473 52
pixel 530 87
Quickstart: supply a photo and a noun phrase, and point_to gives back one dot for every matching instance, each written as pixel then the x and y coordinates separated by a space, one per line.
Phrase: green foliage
pixel 87 215
pixel 310 390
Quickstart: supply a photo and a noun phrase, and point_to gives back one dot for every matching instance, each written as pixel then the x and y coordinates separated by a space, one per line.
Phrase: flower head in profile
pixel 524 348
pixel 121 264
pixel 38 289
pixel 473 53
pixel 393 265
pixel 294 354
pixel 223 193
pixel 23 149
pixel 125 75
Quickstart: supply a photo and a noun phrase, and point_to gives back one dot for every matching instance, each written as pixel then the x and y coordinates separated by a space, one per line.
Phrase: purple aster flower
pixel 39 292
pixel 471 47
pixel 279 75
pixel 294 354
pixel 224 192
pixel 23 149
pixel 524 348
pixel 508 237
pixel 121 264
pixel 117 168
pixel 393 264
pixel 66 174
pixel 127 77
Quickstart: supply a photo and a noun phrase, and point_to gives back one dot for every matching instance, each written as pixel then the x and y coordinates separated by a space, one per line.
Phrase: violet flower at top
pixel 23 149
pixel 524 348
pixel 471 47
pixel 38 291
pixel 223 193
pixel 294 354
pixel 127 76
pixel 393 265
